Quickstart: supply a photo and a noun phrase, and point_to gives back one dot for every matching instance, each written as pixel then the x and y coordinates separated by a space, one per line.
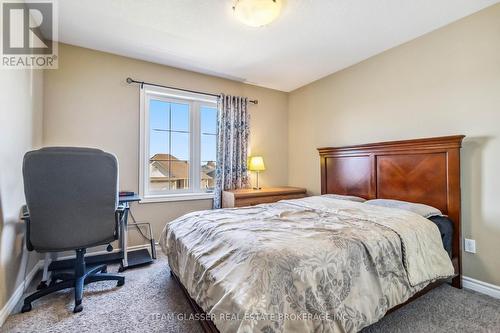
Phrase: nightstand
pixel 251 197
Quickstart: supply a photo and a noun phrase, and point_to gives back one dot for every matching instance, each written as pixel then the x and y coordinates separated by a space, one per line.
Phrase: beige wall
pixel 20 131
pixel 446 82
pixel 88 103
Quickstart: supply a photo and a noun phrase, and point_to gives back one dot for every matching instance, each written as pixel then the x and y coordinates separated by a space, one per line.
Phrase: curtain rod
pixel 130 81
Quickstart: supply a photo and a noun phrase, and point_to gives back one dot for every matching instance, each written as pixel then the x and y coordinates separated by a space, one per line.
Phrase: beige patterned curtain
pixel 232 145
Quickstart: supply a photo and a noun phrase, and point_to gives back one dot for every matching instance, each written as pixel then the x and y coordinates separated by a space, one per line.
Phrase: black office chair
pixel 72 204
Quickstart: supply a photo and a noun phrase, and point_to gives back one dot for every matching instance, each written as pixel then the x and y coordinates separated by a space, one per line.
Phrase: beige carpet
pixel 150 301
pixel 141 305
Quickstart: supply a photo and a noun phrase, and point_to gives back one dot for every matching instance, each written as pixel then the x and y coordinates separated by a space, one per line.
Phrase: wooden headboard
pixel 423 171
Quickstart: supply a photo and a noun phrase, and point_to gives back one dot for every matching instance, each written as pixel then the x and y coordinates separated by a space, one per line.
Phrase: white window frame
pixel 196 101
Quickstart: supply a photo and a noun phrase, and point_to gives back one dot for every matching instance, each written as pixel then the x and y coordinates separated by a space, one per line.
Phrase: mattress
pixel 305 265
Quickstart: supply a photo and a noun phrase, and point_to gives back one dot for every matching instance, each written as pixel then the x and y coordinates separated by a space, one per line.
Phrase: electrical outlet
pixel 470 245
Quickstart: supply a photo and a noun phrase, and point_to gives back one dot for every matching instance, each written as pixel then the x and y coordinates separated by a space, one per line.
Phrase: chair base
pixel 77 280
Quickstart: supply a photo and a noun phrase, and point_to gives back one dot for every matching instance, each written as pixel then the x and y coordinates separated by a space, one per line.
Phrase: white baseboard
pixel 18 293
pixel 481 287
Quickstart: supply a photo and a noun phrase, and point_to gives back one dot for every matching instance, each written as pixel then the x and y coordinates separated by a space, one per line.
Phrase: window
pixel 178 145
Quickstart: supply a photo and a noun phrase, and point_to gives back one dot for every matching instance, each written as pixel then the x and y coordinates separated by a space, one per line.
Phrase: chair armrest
pixel 120 208
pixel 27 220
pixel 25 215
pixel 119 213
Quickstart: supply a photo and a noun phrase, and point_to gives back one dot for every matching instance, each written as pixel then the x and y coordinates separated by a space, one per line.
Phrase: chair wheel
pixel 78 308
pixel 26 308
pixel 120 283
pixel 42 285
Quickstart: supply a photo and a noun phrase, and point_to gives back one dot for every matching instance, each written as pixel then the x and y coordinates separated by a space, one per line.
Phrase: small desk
pixel 126 258
pixel 136 257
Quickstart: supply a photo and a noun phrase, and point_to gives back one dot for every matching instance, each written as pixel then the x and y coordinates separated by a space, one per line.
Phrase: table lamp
pixel 256 164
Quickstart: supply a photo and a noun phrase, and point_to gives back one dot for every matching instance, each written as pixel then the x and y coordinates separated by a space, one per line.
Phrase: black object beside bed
pixel 445 226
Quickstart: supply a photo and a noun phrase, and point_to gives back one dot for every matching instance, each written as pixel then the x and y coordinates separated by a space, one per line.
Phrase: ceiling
pixel 311 39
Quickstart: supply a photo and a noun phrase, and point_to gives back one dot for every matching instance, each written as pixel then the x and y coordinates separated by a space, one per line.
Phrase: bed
pixel 323 264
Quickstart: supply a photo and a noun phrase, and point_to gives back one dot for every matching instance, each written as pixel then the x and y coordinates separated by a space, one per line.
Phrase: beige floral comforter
pixel 308 265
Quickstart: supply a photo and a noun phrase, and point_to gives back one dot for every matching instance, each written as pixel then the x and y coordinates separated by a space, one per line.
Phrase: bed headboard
pixel 422 170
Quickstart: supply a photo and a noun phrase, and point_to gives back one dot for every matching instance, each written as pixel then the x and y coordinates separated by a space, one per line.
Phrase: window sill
pixel 176 197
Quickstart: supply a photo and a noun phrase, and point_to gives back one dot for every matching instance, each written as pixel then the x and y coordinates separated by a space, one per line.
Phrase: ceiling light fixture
pixel 257 13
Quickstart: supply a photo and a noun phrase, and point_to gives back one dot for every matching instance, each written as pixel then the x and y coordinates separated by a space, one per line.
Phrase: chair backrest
pixel 72 195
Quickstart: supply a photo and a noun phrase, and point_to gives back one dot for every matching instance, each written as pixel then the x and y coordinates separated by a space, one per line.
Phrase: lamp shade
pixel 256 164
